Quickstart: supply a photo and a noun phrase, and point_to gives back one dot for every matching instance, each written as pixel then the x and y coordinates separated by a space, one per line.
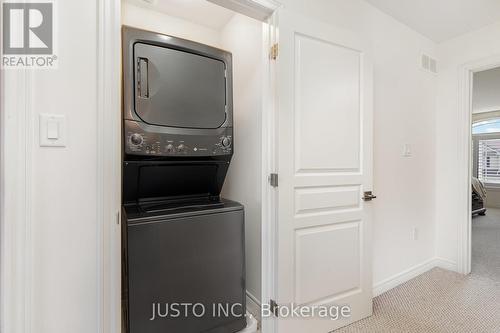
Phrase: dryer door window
pixel 179 89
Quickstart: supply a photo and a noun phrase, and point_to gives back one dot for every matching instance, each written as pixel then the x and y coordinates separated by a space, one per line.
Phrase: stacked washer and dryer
pixel 183 245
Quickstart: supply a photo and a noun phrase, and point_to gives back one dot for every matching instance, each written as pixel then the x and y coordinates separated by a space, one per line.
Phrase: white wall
pixel 147 19
pixel 244 179
pixel 486 91
pixel 493 197
pixel 64 182
pixel 452 54
pixel 404 113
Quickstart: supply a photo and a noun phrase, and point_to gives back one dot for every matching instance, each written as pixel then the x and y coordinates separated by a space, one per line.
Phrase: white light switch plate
pixel 52 130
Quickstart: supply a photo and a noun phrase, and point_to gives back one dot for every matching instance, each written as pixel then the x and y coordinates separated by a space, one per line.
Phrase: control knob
pixel 181 148
pixel 226 142
pixel 136 139
pixel 170 148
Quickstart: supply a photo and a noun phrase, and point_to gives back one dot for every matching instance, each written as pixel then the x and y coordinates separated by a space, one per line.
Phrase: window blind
pixel 489 161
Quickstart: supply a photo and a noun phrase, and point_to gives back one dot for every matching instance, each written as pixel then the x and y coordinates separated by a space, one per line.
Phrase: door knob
pixel 368 196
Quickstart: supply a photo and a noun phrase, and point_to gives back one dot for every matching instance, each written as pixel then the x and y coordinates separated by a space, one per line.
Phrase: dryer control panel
pixel 140 141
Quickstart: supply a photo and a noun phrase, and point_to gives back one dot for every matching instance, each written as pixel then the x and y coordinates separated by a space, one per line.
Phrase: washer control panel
pixel 139 142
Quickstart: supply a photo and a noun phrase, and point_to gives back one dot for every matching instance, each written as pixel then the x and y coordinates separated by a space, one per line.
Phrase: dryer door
pixel 179 89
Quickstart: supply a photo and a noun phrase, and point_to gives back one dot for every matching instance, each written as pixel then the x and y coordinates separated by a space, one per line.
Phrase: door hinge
pixel 273 52
pixel 274 307
pixel 273 179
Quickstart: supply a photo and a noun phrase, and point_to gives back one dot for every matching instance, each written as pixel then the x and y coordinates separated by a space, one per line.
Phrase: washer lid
pixel 175 88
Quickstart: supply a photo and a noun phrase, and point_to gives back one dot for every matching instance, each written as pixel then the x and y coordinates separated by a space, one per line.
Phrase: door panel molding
pixel 312 105
pixel 326 198
pixel 333 282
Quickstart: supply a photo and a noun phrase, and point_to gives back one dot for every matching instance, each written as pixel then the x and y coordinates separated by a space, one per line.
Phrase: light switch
pixel 52 130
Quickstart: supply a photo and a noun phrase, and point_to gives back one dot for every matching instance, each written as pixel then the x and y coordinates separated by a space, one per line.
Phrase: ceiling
pixel 199 11
pixel 441 20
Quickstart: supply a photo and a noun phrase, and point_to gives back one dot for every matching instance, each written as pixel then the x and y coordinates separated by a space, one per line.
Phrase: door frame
pixel 109 165
pixel 269 233
pixel 466 73
pixel 16 137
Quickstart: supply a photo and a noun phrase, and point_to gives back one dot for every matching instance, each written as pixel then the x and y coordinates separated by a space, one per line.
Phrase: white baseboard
pixel 410 273
pixel 253 306
pixel 446 264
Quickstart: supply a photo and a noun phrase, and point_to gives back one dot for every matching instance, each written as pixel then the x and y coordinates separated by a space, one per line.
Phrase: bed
pixel 478 197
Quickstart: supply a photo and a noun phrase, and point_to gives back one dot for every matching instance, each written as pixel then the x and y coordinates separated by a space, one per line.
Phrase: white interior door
pixel 324 165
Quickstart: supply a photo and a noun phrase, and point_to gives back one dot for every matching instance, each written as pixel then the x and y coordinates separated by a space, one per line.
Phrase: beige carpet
pixel 441 301
pixel 486 245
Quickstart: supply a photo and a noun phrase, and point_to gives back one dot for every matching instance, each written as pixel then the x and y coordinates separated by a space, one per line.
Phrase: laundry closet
pixel 233 167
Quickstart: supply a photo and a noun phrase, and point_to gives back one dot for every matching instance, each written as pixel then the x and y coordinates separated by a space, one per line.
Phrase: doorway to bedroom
pixel 485 182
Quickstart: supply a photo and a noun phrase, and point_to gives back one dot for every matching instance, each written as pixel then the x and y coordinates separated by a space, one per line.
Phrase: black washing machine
pixel 185 253
pixel 183 245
